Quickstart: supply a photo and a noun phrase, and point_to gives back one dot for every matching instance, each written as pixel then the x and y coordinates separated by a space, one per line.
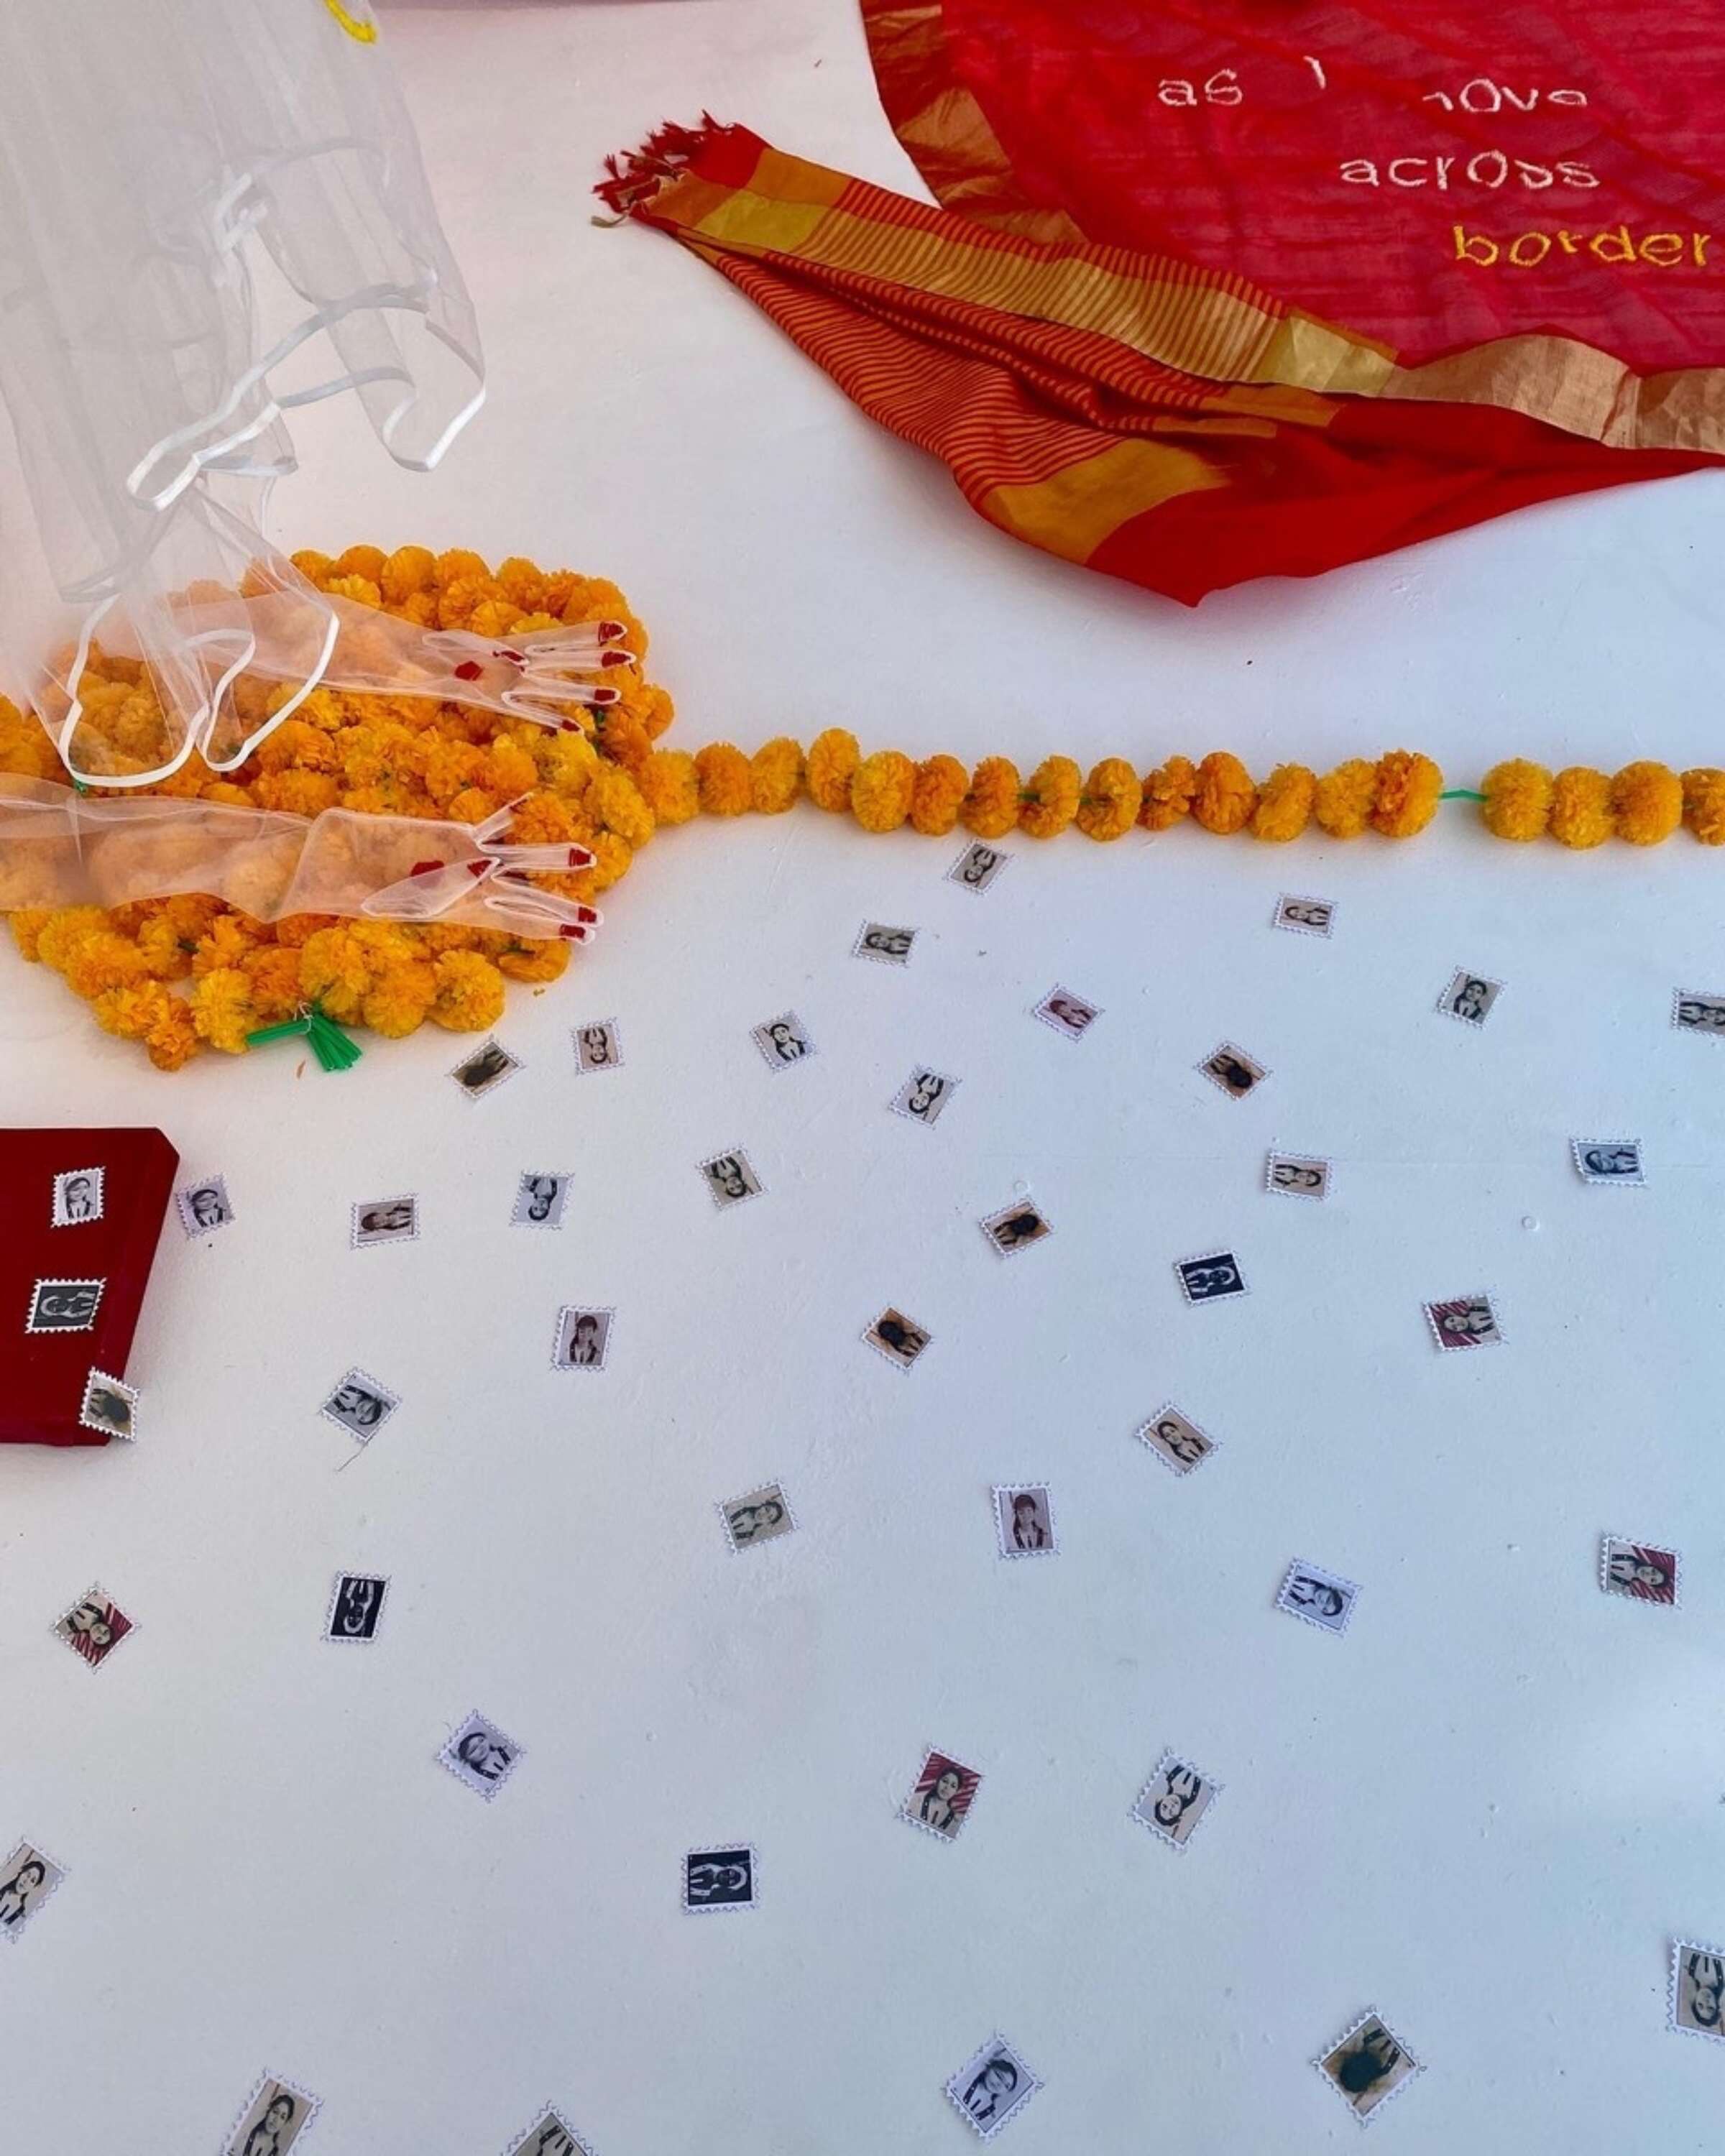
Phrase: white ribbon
pixel 431 888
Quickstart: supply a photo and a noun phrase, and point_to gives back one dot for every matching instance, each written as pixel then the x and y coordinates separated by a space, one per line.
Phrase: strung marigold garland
pixel 182 974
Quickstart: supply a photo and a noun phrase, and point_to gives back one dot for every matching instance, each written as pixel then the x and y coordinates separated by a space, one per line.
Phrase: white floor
pixel 1484 1811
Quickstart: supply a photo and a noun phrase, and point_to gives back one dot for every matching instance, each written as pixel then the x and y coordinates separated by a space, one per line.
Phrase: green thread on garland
pixel 1461 793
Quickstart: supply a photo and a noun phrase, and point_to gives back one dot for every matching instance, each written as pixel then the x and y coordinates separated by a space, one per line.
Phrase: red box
pixel 86 1209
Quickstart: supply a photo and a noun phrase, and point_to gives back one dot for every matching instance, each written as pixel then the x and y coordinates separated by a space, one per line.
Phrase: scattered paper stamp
pixel 64 1306
pixel 488 1067
pixel 894 1336
pixel 1698 1014
pixel 941 1796
pixel 1015 1227
pixel 1175 1799
pixel 539 1199
pixel 1697 1988
pixel 923 1096
pixel 94 1627
pixel 205 1205
pixel 276 2114
pixel 992 2088
pixel 1367 2065
pixel 1611 1160
pixel 1069 1015
pixel 719 1879
pixel 1306 916
pixel 760 1517
pixel 886 946
pixel 1233 1071
pixel 360 1405
pixel 1318 1597
pixel 77 1197
pixel 481 1755
pixel 1642 1571
pixel 384 1220
pixel 1176 1439
pixel 583 1338
pixel 1470 996
pixel 108 1405
pixel 1465 1321
pixel 28 1879
pixel 551 2135
pixel 978 866
pixel 1211 1278
pixel 782 1040
pixel 1024 1519
pixel 598 1046
pixel 1299 1174
pixel 731 1178
pixel 356 1606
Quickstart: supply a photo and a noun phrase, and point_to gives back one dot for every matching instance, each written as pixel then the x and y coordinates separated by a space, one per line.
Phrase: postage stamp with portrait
pixel 1176 1439
pixel 941 1796
pixel 485 1069
pixel 715 1879
pixel 1318 1597
pixel 992 2088
pixel 1211 1278
pixel 761 1516
pixel 1640 1571
pixel 360 1405
pixel 1610 1161
pixel 598 1046
pixel 1299 1174
pixel 205 1205
pixel 1024 1519
pixel 28 1879
pixel 276 2114
pixel 1697 1999
pixel 108 1405
pixel 582 1340
pixel 1465 1321
pixel 77 1197
pixel 1015 1227
pixel 479 1754
pixel 1367 2065
pixel 1232 1071
pixel 1065 1014
pixel 384 1220
pixel 782 1041
pixel 1175 1799
pixel 551 2135
pixel 923 1096
pixel 1306 916
pixel 94 1627
pixel 895 1339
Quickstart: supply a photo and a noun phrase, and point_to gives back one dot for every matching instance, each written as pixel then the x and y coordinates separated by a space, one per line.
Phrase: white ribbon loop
pixel 536 677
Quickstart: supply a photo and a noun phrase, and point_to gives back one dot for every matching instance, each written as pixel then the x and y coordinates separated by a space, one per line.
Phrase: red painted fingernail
pixel 608 695
pixel 617 659
pixel 610 631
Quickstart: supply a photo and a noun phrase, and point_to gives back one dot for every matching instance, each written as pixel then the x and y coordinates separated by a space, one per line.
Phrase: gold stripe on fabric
pixel 1073 512
pixel 1578 388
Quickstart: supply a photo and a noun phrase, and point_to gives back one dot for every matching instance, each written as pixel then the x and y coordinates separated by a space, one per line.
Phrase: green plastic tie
pixel 334 1049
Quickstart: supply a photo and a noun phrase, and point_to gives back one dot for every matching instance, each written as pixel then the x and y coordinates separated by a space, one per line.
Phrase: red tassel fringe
pixel 638 175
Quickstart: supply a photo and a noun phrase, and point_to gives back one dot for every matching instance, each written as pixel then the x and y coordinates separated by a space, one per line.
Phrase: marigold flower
pixel 1048 800
pixel 469 992
pixel 612 857
pixel 776 776
pixel 1406 799
pixel 1285 802
pixel 399 997
pixel 833 759
pixel 567 762
pixel 534 961
pixel 471 805
pixel 1518 798
pixel 624 739
pixel 163 953
pixel 1168 793
pixel 657 708
pixel 1111 799
pixel 334 973
pixel 881 790
pixel 1704 805
pixel 1342 804
pixel 669 786
pixel 508 771
pixel 173 1040
pixel 103 961
pixel 65 930
pixel 367 561
pixel 614 800
pixel 224 943
pixel 408 571
pixel 272 973
pixel 1581 807
pixel 990 809
pixel 1647 803
pixel 1226 796
pixel 359 588
pixel 130 1012
pixel 223 1012
pixel 311 565
pixel 938 795
pixel 726 787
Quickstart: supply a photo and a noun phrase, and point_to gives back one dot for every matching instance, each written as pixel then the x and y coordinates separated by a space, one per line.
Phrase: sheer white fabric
pixel 211 211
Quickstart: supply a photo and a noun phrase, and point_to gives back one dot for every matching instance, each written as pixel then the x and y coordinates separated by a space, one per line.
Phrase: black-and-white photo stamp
pixel 885 946
pixel 1465 1321
pixel 77 1197
pixel 923 1096
pixel 991 2089
pixel 731 1178
pixel 597 1046
pixel 1069 1015
pixel 1697 1988
pixel 1698 1014
pixel 1175 1799
pixel 893 1335
pixel 762 1516
pixel 1211 1278
pixel 94 1627
pixel 1024 1519
pixel 1642 1572
pixel 1318 1597
pixel 356 1606
pixel 782 1041
pixel 1470 996
pixel 110 1406
pixel 1015 1227
pixel 1176 1439
pixel 481 1755
pixel 583 1338
pixel 275 2116
pixel 1367 2065
pixel 551 2135
pixel 719 1879
pixel 64 1306
pixel 941 1796
pixel 28 1878
pixel 360 1405
pixel 384 1220
pixel 1306 916
pixel 1232 1071
pixel 978 866
pixel 205 1205
pixel 1298 1175
pixel 539 1199
pixel 1616 1161
pixel 483 1071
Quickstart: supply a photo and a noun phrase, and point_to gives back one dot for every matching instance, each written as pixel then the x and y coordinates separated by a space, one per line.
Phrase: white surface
pixel 1483 1811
